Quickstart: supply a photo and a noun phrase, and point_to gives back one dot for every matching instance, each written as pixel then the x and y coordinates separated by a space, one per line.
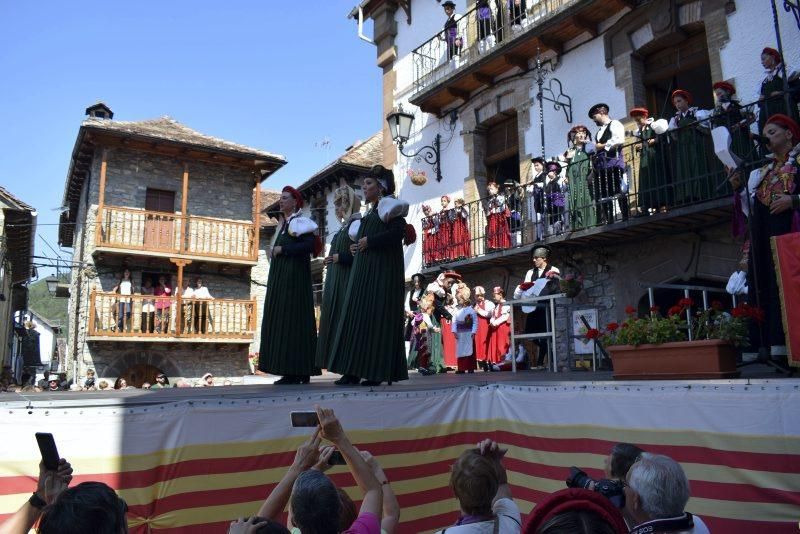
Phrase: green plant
pixel 712 323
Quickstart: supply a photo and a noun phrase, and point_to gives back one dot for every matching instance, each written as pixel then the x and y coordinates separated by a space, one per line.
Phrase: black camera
pixel 610 489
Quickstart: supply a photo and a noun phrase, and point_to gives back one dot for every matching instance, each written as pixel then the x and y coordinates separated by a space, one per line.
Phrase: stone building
pixel 17 238
pixel 476 95
pixel 157 198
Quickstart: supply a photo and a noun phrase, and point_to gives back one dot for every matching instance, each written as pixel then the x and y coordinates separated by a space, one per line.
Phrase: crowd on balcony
pixel 600 179
pixel 639 492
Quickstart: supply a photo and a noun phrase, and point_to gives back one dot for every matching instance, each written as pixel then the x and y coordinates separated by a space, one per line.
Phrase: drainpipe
pixel 358 11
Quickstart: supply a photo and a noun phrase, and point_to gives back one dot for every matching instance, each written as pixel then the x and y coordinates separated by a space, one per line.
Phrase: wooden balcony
pixel 114 317
pixel 174 235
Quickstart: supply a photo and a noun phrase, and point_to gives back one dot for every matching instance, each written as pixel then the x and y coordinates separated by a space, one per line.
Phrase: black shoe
pixel 347 380
pixel 287 380
pixel 424 372
pixel 484 365
pixel 471 371
pixel 303 379
pixel 459 372
pixel 371 383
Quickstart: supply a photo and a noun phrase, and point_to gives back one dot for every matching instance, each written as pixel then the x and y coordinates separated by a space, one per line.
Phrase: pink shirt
pixel 366 523
pixel 163 291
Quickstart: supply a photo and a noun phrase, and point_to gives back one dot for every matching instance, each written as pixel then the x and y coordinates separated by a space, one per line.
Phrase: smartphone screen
pixel 336 459
pixel 304 419
pixel 47 447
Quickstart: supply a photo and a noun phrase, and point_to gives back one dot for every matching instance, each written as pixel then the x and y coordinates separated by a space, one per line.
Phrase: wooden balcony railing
pixel 152 231
pixel 146 316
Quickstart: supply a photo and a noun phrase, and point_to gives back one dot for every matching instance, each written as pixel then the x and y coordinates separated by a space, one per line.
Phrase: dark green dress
pixel 769 106
pixel 336 279
pixel 654 188
pixel 693 180
pixel 581 205
pixel 288 330
pixel 369 340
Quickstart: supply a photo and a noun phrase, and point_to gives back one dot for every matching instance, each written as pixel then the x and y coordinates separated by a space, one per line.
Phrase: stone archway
pixel 139 360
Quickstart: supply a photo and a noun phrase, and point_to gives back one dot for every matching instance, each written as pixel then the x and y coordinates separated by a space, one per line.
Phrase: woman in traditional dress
pixel 369 339
pixel 554 198
pixel 770 95
pixel 446 243
pixel 693 179
pixel 655 192
pixel 412 301
pixel 426 340
pixel 728 112
pixel 428 236
pixel 338 263
pixel 460 230
pixel 448 338
pixel 498 233
pixel 774 210
pixel 465 326
pixel 288 330
pixel 579 170
pixel 483 308
pixel 499 326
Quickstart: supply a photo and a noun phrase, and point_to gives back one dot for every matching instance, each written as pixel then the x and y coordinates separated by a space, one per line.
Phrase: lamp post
pixel 52 284
pixel 400 127
pixel 560 101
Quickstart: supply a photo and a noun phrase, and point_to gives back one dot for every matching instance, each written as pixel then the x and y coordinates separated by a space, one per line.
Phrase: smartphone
pixel 336 459
pixel 47 446
pixel 304 418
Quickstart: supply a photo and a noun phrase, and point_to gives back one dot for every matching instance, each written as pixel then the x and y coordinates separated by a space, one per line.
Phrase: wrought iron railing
pixel 152 231
pixel 678 168
pixel 478 32
pixel 146 316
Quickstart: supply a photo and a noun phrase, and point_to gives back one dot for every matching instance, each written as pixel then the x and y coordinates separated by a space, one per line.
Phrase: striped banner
pixel 193 466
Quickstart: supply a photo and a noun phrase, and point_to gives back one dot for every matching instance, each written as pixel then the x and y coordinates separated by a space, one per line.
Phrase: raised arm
pixel 305 457
pixel 391 508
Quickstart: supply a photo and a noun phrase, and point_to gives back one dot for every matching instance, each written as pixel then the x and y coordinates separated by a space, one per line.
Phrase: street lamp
pixel 52 284
pixel 400 127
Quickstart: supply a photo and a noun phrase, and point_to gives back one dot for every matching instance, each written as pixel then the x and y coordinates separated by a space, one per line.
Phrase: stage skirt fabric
pixel 369 340
pixel 461 240
pixel 482 339
pixel 289 330
pixel 448 343
pixel 499 341
pixel 498 234
pixel 787 262
pixel 336 279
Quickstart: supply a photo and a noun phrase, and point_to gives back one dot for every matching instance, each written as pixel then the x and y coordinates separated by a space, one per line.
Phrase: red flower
pixel 739 312
pixel 675 310
pixel 655 309
pixel 717 305
pixel 593 333
pixel 630 310
pixel 612 327
pixel 686 302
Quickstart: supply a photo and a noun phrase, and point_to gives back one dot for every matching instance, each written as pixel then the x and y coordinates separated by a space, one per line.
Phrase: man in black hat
pixel 554 198
pixel 450 33
pixel 536 322
pixel 513 199
pixel 609 165
pixel 535 197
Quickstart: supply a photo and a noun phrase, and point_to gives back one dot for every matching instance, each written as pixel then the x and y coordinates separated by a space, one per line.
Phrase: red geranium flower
pixel 675 310
pixel 686 302
pixel 612 327
pixel 593 333
pixel 655 309
pixel 739 312
pixel 630 310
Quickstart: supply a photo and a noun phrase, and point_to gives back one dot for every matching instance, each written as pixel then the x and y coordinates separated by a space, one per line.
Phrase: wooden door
pixel 138 374
pixel 159 226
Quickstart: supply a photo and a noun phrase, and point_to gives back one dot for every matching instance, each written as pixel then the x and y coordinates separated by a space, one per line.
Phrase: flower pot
pixel 702 359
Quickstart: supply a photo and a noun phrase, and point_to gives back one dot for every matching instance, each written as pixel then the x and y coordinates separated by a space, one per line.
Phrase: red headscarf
pixel 685 94
pixel 772 52
pixel 726 86
pixel 298 198
pixel 788 123
pixel 575 499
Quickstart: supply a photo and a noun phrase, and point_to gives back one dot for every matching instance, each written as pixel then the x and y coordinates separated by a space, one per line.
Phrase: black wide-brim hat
pixel 553 163
pixel 539 159
pixel 449 3
pixel 594 109
pixel 418 275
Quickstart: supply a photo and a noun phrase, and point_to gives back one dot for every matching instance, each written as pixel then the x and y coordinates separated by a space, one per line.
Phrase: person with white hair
pixel 465 326
pixel 656 493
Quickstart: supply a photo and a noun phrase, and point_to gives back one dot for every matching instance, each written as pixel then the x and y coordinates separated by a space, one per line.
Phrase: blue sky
pixel 281 76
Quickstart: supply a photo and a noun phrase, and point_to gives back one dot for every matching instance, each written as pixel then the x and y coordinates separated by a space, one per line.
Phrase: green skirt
pixel 333 297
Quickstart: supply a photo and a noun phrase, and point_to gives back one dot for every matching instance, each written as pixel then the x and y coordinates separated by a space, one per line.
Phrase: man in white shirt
pixel 656 492
pixel 609 165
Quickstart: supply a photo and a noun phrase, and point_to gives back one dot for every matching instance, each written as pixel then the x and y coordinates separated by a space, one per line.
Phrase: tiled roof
pixel 20 228
pixel 14 202
pixel 171 130
pixel 268 198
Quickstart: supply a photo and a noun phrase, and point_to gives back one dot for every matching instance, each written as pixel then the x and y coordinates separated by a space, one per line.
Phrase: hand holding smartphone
pixel 48 450
pixel 304 419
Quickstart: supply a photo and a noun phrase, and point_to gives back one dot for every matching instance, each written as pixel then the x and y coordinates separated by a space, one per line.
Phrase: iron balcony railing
pixel 677 168
pixel 480 31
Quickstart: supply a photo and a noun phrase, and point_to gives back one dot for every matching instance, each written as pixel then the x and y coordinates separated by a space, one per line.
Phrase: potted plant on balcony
pixel 657 346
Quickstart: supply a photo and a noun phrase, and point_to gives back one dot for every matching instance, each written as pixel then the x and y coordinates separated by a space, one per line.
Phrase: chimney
pixel 100 111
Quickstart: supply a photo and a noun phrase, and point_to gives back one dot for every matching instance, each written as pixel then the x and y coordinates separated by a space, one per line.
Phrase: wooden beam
pixel 179 294
pixel 455 92
pixel 483 79
pixel 184 202
pixel 101 201
pixel 256 218
pixel 553 44
pixel 427 108
pixel 516 61
pixel 585 24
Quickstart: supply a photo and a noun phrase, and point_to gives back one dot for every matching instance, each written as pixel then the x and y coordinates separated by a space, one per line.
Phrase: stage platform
pixel 192 459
